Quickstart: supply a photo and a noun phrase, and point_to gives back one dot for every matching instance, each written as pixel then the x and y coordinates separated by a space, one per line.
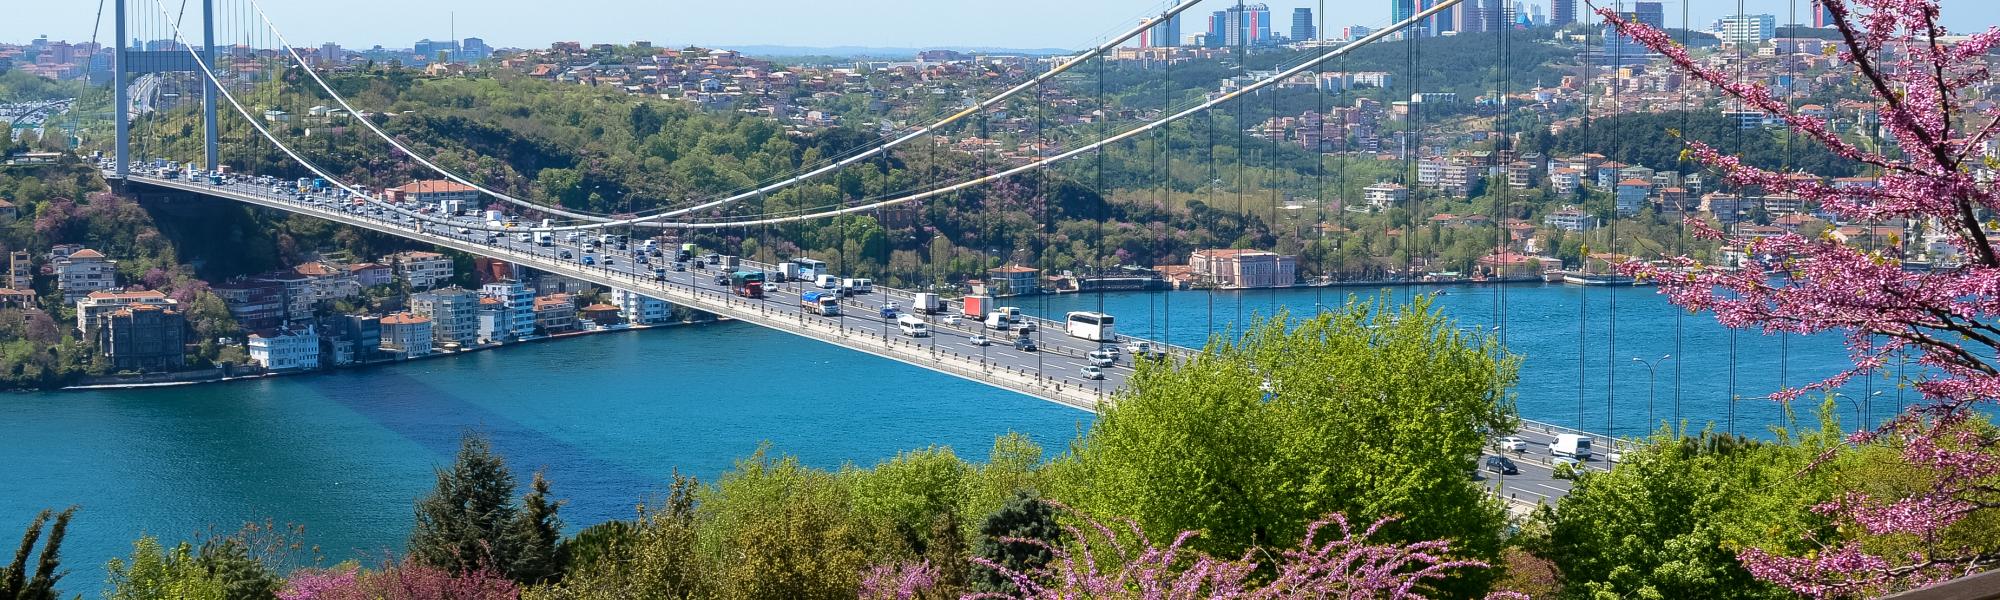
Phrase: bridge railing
pixel 1079 394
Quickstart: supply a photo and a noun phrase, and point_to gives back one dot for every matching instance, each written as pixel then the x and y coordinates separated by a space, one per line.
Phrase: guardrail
pixel 757 311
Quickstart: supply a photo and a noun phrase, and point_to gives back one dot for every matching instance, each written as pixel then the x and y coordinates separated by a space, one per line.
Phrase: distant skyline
pixel 877 23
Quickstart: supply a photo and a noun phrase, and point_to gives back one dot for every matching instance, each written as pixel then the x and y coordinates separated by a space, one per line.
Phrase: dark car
pixel 1501 465
pixel 1025 344
pixel 721 279
pixel 680 266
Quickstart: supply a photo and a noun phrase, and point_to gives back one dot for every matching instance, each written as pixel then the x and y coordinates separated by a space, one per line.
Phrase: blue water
pixel 611 417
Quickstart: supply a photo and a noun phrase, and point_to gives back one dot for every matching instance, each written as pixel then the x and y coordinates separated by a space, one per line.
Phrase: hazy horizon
pixel 800 23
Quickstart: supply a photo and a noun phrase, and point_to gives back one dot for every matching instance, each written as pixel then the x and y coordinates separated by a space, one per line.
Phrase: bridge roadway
pixel 1054 373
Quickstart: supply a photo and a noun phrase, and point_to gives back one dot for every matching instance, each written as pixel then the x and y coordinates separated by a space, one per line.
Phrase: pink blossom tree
pixel 408 580
pixel 1924 87
pixel 1333 561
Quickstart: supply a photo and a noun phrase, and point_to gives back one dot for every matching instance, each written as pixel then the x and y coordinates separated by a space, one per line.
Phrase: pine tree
pixel 462 525
pixel 1024 517
pixel 228 562
pixel 14 581
pixel 535 535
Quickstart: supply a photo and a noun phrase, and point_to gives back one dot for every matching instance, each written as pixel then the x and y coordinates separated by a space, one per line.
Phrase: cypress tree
pixel 14 581
pixel 15 577
pixel 461 526
pixel 535 536
pixel 1024 517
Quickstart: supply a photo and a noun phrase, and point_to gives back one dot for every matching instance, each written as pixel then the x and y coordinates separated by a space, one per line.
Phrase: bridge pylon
pixel 122 72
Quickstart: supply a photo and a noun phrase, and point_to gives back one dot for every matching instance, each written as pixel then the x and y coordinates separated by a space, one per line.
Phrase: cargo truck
pixel 787 272
pixel 975 306
pixel 748 284
pixel 826 304
pixel 926 303
pixel 686 253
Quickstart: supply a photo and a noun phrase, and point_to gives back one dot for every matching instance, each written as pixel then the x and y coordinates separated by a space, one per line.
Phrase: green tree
pixel 156 573
pixel 461 526
pixel 1025 517
pixel 14 581
pixel 653 557
pixel 535 534
pixel 229 563
pixel 776 529
pixel 1368 411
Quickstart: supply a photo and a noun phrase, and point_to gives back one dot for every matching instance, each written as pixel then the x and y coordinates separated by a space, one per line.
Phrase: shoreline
pixel 363 365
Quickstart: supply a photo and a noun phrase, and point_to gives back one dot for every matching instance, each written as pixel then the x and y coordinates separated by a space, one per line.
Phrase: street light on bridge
pixel 1651 370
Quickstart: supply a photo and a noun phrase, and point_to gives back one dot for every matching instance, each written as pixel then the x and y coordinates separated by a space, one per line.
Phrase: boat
pixel 1598 279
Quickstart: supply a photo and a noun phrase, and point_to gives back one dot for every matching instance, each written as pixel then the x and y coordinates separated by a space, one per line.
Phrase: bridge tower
pixel 122 70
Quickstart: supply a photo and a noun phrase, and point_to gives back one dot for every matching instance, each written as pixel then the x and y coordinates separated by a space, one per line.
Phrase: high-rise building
pixel 1536 18
pixel 1218 24
pixel 1247 25
pixel 1747 30
pixel 1445 20
pixel 1302 25
pixel 1167 34
pixel 1822 17
pixel 474 49
pixel 1651 14
pixel 1401 10
pixel 1562 12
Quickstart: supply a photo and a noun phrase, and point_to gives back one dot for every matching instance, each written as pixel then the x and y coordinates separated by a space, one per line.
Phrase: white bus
pixel 1093 326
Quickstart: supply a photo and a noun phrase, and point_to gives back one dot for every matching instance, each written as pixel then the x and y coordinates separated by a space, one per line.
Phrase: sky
pixel 1070 24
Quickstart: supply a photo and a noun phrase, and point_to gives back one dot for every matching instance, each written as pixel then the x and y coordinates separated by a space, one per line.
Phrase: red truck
pixel 975 306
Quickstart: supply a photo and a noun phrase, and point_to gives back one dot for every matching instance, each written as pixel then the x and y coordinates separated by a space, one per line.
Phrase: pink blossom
pixel 1942 318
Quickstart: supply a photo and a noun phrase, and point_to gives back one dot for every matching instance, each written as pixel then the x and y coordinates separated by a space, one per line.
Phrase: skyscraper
pixel 1167 34
pixel 1247 24
pixel 1822 17
pixel 1749 30
pixel 1400 10
pixel 1562 12
pixel 1218 25
pixel 1302 25
pixel 1650 14
pixel 1445 20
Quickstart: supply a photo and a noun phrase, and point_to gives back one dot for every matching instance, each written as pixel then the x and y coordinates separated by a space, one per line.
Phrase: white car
pixel 1100 358
pixel 1615 456
pixel 1093 372
pixel 1512 444
pixel 951 320
pixel 978 340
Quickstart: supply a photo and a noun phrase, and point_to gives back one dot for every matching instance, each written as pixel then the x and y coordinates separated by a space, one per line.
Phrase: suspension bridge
pixel 240 76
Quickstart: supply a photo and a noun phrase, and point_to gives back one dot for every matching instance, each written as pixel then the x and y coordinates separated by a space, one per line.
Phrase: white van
pixel 913 326
pixel 855 285
pixel 998 320
pixel 827 282
pixel 1571 445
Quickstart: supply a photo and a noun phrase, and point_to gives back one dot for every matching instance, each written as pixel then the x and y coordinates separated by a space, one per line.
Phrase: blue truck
pixel 826 304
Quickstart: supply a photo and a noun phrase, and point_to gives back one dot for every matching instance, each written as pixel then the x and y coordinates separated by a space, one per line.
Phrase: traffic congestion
pixel 1082 349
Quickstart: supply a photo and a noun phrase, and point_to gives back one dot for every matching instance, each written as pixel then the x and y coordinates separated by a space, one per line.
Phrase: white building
pixel 453 313
pixel 517 309
pixel 84 271
pixel 1749 30
pixel 286 349
pixel 1386 195
pixel 639 310
pixel 1235 268
pixel 406 333
pixel 424 270
pixel 1570 218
